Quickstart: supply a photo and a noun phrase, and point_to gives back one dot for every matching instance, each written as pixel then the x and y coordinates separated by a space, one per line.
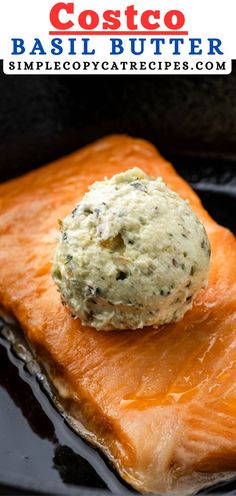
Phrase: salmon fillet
pixel 161 403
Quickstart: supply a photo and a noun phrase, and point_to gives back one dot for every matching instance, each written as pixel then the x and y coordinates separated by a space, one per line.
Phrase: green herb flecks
pixel 192 270
pixel 57 273
pixel 121 276
pixel 140 186
pixel 91 292
pixel 68 259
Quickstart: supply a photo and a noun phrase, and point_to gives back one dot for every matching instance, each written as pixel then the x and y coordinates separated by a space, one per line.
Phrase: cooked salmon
pixel 161 403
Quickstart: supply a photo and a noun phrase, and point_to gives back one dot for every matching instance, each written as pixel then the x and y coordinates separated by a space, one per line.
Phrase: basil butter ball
pixel 131 254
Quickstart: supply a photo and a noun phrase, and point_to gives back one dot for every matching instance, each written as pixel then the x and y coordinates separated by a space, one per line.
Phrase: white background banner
pixel 140 36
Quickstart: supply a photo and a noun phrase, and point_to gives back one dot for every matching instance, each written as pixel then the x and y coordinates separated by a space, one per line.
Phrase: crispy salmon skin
pixel 161 403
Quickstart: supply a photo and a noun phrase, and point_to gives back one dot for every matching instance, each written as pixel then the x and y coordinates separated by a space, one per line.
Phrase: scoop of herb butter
pixel 131 254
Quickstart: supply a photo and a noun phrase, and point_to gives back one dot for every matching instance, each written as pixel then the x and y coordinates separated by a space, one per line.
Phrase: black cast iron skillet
pixel 42 118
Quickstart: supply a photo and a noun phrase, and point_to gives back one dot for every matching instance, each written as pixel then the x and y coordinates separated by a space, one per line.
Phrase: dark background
pixel 44 117
pixel 191 119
